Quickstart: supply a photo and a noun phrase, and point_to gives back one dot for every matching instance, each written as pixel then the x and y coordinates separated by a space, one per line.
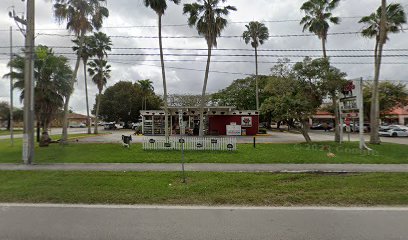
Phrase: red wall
pixel 218 123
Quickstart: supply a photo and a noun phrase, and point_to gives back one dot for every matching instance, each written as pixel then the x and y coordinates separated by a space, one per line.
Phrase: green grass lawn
pixel 264 153
pixel 258 189
pixel 6 132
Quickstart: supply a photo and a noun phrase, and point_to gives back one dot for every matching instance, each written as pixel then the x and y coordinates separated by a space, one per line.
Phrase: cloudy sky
pixel 129 20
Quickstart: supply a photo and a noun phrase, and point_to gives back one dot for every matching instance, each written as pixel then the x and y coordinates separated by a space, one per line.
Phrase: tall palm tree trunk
pixel 98 104
pixel 166 108
pixel 256 79
pixel 324 47
pixel 64 136
pixel 335 106
pixel 375 102
pixel 87 101
pixel 207 71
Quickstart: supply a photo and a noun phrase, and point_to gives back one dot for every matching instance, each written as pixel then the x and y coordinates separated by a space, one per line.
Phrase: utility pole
pixel 11 89
pixel 28 136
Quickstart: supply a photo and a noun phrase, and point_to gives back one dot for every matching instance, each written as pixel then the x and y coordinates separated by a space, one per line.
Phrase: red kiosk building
pixel 218 121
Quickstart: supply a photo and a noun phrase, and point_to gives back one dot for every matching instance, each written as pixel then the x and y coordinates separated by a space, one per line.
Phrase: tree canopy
pixel 123 102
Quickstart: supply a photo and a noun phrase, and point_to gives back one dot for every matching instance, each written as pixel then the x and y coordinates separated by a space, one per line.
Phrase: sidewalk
pixel 214 167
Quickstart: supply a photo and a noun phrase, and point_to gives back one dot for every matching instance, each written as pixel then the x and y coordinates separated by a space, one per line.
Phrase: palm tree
pixel 100 44
pixel 160 6
pixel 81 16
pixel 99 70
pixel 209 22
pixel 147 89
pixel 390 22
pixel 318 17
pixel 86 54
pixel 256 34
pixel 53 75
pixel 317 20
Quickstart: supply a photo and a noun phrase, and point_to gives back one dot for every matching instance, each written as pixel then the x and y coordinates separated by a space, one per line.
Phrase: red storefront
pixel 217 121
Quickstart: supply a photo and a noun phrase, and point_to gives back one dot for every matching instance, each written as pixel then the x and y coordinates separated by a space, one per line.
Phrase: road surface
pixel 148 222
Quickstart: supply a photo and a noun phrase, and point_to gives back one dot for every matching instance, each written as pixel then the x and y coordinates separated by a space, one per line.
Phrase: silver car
pixel 394 132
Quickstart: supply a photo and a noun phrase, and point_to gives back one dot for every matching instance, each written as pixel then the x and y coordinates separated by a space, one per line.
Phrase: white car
pixel 394 132
pixel 398 127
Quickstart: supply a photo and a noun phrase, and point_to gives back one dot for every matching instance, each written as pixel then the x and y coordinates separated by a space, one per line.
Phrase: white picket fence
pixel 190 143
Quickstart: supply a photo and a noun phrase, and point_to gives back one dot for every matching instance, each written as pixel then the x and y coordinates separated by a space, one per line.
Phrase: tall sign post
pixel 28 136
pixel 352 107
pixel 11 89
pixel 182 141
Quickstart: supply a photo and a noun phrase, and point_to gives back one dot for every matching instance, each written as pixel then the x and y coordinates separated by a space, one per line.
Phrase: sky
pixel 130 18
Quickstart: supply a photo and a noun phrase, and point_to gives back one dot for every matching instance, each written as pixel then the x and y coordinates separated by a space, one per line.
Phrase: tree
pixel 209 22
pixel 318 17
pixel 123 102
pixel 391 96
pixel 147 89
pixel 99 70
pixel 86 53
pixel 160 6
pixel 100 44
pixel 293 98
pixel 240 94
pixel 256 34
pixel 387 19
pixel 81 16
pixel 53 75
pixel 317 20
pixel 5 113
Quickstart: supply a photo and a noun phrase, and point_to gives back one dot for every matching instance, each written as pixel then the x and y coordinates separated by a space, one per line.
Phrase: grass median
pixel 256 189
pixel 263 153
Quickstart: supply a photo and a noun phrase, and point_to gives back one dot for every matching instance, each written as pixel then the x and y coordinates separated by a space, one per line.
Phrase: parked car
pixel 77 125
pixel 398 127
pixel 321 126
pixel 394 132
pixel 110 126
pixel 136 125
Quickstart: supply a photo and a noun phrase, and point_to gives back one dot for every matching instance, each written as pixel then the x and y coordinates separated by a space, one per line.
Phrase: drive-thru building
pixel 217 121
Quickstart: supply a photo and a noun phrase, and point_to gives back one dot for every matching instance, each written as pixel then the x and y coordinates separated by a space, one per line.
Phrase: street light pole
pixel 28 138
pixel 11 89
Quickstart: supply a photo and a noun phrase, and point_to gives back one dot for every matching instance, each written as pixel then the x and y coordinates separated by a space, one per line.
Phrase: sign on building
pixel 246 121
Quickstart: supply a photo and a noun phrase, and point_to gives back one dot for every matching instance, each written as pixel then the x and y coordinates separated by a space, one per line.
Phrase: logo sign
pixel 246 121
pixel 214 141
pixel 199 145
pixel 182 140
pixel 348 89
pixel 230 146
pixel 152 141
pixel 167 145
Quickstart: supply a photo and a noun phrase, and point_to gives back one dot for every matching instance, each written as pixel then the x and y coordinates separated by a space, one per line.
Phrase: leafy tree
pixel 317 20
pixel 391 96
pixel 148 89
pixel 86 53
pixel 387 19
pixel 81 16
pixel 99 70
pixel 160 6
pixel 293 98
pixel 318 17
pixel 209 22
pixel 256 34
pixel 123 102
pixel 53 75
pixel 240 94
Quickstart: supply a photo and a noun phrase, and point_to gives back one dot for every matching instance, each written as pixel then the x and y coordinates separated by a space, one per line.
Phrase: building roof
pixel 77 116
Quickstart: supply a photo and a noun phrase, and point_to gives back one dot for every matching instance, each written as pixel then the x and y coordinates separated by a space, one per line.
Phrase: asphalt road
pixel 182 223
